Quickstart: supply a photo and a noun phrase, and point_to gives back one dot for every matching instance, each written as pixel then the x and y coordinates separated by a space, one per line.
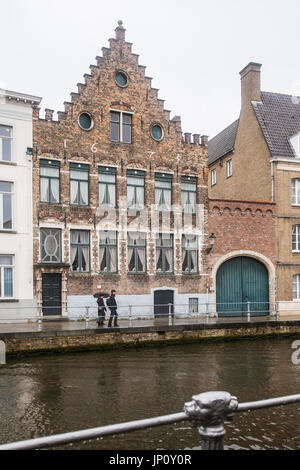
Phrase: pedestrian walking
pixel 101 310
pixel 112 305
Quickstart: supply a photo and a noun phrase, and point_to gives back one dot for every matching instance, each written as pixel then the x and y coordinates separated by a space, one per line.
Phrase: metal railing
pixel 131 312
pixel 207 411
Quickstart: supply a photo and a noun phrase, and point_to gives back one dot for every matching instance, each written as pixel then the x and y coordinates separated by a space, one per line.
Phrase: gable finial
pixel 120 31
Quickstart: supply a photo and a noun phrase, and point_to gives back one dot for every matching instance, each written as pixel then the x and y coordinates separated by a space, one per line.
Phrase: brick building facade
pixel 120 196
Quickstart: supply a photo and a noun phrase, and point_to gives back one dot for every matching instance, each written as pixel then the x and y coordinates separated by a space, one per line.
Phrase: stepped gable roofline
pixel 223 143
pixel 279 118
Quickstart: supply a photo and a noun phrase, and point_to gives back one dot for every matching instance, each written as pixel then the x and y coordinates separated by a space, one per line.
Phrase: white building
pixel 16 236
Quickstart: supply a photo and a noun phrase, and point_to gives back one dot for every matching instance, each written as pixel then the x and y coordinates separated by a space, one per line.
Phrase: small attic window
pixel 85 121
pixel 295 143
pixel 121 78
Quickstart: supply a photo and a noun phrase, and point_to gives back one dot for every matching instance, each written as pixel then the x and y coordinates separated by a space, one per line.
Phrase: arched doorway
pixel 240 280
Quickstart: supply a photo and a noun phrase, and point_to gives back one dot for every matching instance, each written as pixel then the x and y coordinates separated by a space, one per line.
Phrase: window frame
pixel 183 249
pixel 296 236
pixel 103 170
pixel 135 250
pixel 80 167
pixel 189 180
pixel 121 124
pixel 213 177
pixel 51 164
pixel 296 283
pixel 137 174
pixel 59 247
pixel 107 253
pixel 163 178
pixel 10 138
pixel 11 193
pixel 80 246
pixel 164 248
pixel 295 199
pixel 229 168
pixel 2 285
pixel 195 301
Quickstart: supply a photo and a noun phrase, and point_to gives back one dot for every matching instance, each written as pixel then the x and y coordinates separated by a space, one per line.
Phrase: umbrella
pixel 104 294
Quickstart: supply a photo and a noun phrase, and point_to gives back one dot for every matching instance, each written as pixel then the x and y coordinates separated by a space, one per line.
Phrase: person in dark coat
pixel 112 305
pixel 101 310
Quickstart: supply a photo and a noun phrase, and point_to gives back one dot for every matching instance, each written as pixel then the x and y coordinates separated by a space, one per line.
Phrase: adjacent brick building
pixel 120 196
pixel 256 159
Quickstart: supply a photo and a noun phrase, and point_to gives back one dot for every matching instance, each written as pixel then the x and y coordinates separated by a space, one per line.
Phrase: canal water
pixel 59 393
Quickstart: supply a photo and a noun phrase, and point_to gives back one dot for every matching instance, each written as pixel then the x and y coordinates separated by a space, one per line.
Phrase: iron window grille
pixel 188 194
pixel 108 251
pixel 6 276
pixel 5 143
pixel 6 205
pixel 190 254
pixel 136 252
pixel 120 127
pixel 50 245
pixel 296 238
pixel 164 253
pixel 49 181
pixel 107 186
pixel 79 184
pixel 135 189
pixel 163 191
pixel 80 251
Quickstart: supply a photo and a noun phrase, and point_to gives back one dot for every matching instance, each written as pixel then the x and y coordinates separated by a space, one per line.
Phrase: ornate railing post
pixel 208 411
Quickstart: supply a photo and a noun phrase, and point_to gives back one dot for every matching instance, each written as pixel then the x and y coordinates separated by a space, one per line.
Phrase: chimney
pixel 187 137
pixel 250 84
pixel 204 140
pixel 196 139
pixel 120 31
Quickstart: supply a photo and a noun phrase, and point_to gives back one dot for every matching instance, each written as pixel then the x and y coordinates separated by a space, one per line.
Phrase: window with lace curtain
pixel 136 252
pixel 189 254
pixel 188 194
pixel 164 253
pixel 79 184
pixel 80 251
pixel 107 186
pixel 135 189
pixel 108 251
pixel 49 181
pixel 163 191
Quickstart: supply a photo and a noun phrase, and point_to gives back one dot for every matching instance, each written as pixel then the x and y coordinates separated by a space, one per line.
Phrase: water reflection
pixel 53 394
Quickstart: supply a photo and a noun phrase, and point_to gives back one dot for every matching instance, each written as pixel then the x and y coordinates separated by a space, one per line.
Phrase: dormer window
pixel 295 143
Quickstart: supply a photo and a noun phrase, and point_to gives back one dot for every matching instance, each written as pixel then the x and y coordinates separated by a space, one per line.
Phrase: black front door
pixel 162 299
pixel 51 294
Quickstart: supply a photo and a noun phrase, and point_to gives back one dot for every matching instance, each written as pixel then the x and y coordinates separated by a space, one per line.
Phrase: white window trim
pixel 229 168
pixel 12 266
pixel 121 126
pixel 297 277
pixel 12 208
pixel 295 182
pixel 213 177
pixel 11 147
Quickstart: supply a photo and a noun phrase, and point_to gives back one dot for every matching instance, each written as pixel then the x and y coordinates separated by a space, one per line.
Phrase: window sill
pixel 213 184
pixel 108 273
pixel 2 162
pixel 8 231
pixel 142 273
pixel 229 176
pixel 8 300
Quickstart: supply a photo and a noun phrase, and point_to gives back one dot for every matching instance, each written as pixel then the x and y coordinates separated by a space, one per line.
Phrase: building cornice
pixel 13 95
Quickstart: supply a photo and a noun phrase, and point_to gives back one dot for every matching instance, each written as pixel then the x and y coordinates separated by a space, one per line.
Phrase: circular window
pixel 121 78
pixel 85 121
pixel 157 132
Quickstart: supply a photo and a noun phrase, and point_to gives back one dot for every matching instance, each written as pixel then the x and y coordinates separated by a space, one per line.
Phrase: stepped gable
pixel 98 94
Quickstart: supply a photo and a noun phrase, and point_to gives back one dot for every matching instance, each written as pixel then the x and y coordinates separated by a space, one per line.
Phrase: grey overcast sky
pixel 193 49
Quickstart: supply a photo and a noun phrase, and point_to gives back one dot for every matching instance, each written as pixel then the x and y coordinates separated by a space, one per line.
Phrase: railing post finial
pixel 208 411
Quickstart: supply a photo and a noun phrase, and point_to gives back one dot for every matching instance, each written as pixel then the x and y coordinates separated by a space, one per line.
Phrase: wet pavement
pixel 69 325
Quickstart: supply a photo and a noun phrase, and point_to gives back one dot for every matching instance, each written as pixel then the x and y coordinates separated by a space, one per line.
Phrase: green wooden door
pixel 240 280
